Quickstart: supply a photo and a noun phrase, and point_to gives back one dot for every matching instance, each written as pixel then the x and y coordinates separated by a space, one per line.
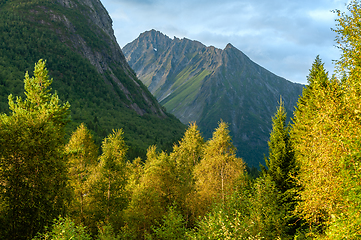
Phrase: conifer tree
pixel 317 148
pixel 346 222
pixel 281 171
pixel 33 172
pixel 281 162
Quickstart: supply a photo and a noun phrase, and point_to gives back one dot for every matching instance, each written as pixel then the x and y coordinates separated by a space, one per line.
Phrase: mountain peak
pixel 229 46
pixel 205 84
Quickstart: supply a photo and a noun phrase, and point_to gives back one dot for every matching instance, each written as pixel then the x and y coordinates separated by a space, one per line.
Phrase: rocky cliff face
pixel 97 15
pixel 206 84
pixel 107 55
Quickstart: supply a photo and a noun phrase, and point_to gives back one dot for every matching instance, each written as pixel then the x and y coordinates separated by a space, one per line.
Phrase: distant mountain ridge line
pixel 205 84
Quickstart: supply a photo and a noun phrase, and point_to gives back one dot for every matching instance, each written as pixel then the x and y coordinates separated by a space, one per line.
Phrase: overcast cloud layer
pixel 283 36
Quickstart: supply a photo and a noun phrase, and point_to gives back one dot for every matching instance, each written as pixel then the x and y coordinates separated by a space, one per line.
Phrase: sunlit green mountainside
pixel 76 39
pixel 206 84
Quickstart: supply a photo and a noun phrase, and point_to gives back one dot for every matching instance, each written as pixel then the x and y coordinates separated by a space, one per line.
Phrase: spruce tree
pixel 281 171
pixel 281 162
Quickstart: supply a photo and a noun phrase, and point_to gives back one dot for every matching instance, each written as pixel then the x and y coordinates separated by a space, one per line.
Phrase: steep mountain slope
pixel 206 84
pixel 76 39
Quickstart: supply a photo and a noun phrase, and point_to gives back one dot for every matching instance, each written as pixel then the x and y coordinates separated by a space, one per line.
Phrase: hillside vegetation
pixel 88 68
pixel 58 187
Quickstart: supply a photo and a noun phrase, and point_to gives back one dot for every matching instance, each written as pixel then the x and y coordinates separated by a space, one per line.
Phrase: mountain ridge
pixel 205 84
pixel 76 39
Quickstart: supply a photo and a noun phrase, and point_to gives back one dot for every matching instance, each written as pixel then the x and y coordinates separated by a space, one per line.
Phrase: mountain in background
pixel 206 84
pixel 76 39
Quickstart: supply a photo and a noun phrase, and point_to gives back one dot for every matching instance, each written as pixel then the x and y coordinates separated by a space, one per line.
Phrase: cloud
pixel 281 35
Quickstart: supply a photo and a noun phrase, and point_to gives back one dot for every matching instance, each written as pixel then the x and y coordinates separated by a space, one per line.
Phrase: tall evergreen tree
pixel 33 172
pixel 281 171
pixel 318 148
pixel 281 162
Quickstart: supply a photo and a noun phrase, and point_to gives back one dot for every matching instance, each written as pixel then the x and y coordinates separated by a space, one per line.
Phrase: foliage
pixel 33 169
pixel 153 193
pixel 187 155
pixel 281 162
pixel 82 154
pixel 252 212
pixel 172 227
pixel 109 180
pixel 326 134
pixel 218 171
pixel 64 229
pixel 282 170
pixel 106 232
pixel 34 30
pixel 162 196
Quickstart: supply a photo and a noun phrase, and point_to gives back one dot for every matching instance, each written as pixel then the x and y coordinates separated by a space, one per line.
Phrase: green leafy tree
pixel 64 229
pixel 33 172
pixel 110 179
pixel 82 156
pixel 106 232
pixel 152 195
pixel 220 224
pixel 172 226
pixel 251 212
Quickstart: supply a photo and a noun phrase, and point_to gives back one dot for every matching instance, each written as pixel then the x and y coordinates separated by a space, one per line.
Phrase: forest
pixel 53 187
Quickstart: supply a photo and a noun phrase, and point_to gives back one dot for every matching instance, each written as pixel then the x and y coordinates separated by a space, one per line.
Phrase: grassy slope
pixel 186 89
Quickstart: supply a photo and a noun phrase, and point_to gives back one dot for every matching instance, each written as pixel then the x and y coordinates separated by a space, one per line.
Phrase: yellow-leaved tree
pixel 109 179
pixel 317 147
pixel 326 136
pixel 219 170
pixel 82 156
pixel 187 155
pixel 151 191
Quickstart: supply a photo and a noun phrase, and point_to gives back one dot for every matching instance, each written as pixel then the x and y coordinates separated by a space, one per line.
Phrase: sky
pixel 283 36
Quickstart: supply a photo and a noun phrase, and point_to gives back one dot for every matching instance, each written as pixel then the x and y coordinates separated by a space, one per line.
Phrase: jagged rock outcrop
pixel 206 84
pixel 106 56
